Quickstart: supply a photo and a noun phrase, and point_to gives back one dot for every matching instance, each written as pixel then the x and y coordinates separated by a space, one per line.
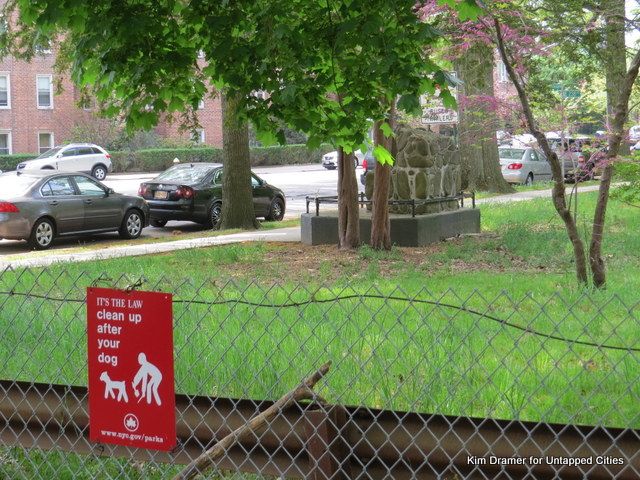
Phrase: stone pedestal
pixel 406 231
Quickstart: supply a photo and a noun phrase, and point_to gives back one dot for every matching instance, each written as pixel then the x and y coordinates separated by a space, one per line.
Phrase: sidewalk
pixel 291 234
pixel 533 194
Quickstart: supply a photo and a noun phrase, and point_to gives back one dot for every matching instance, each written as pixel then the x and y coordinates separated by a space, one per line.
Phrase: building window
pixel 503 76
pixel 45 91
pixel 45 141
pixel 198 136
pixel 5 98
pixel 5 143
pixel 87 104
pixel 43 48
pixel 261 94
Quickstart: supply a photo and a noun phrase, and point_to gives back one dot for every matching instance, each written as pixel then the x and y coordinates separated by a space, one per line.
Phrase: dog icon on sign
pixel 111 387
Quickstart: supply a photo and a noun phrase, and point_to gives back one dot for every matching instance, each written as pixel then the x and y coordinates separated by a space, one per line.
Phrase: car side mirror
pixel 58 155
pixel 110 191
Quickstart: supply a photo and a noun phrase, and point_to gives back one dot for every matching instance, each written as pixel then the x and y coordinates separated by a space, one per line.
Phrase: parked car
pixel 330 160
pixel 523 165
pixel 634 134
pixel 193 192
pixel 39 206
pixel 75 157
pixel 368 165
pixel 573 153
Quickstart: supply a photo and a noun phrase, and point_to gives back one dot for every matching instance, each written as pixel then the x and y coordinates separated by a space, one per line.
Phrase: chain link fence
pixel 422 384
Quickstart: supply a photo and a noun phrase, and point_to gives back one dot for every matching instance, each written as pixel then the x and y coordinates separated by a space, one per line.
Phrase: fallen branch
pixel 304 391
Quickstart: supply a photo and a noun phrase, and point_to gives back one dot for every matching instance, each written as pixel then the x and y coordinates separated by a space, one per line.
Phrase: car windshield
pixel 14 185
pixel 49 153
pixel 511 153
pixel 191 173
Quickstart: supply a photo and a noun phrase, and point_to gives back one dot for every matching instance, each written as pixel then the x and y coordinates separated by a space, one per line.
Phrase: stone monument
pixel 427 166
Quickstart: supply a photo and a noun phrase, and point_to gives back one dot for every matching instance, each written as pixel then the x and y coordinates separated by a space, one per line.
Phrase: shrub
pixel 154 160
pixel 10 162
pixel 158 159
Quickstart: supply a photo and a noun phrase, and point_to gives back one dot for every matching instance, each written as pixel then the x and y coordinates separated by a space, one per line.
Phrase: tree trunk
pixel 478 122
pixel 615 61
pixel 616 136
pixel 348 214
pixel 558 192
pixel 237 192
pixel 380 224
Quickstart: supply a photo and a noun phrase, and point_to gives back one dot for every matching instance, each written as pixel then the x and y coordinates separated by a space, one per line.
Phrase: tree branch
pixel 304 391
pixel 558 192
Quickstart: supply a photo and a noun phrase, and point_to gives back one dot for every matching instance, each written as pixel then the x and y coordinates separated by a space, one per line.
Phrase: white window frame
pixel 6 74
pixel 40 107
pixel 9 142
pixel 88 104
pixel 43 50
pixel 52 144
pixel 200 139
pixel 503 76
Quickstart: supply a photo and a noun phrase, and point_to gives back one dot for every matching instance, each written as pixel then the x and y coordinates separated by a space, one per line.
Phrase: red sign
pixel 131 385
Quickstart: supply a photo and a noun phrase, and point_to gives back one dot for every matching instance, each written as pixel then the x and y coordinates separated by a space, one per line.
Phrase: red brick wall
pixel 210 119
pixel 25 120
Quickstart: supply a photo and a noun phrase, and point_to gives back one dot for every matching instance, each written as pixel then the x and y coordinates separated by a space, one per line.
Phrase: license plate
pixel 161 194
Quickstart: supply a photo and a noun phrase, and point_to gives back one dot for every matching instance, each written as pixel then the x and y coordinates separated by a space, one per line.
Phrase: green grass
pixel 393 354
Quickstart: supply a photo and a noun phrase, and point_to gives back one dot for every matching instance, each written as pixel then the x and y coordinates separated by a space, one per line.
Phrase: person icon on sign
pixel 150 377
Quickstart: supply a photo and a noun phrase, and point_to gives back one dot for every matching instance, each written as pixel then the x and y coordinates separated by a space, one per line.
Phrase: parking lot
pixel 297 181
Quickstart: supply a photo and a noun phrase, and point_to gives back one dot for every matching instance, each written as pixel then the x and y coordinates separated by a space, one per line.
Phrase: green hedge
pixel 158 159
pixel 10 162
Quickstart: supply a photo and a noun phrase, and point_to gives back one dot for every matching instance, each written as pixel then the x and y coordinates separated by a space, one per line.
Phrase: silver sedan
pixel 40 206
pixel 523 165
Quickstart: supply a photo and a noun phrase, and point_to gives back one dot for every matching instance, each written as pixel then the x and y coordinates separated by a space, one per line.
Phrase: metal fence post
pixel 327 450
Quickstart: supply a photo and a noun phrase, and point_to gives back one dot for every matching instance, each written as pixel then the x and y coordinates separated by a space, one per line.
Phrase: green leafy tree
pixel 329 68
pixel 516 64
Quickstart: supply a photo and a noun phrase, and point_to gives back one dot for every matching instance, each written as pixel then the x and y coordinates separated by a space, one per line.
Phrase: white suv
pixel 75 157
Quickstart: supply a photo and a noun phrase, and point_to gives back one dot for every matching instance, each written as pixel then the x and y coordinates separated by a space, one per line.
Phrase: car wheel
pixel 529 181
pixel 215 215
pixel 158 223
pixel 132 225
pixel 276 210
pixel 42 234
pixel 99 172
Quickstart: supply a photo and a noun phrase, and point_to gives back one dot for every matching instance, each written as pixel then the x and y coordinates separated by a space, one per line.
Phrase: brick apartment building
pixel 34 117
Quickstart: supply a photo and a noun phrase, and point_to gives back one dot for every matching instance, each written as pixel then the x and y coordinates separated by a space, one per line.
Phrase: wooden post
pixel 328 452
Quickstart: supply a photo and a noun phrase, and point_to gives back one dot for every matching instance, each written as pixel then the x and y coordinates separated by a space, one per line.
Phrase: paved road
pixel 296 181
